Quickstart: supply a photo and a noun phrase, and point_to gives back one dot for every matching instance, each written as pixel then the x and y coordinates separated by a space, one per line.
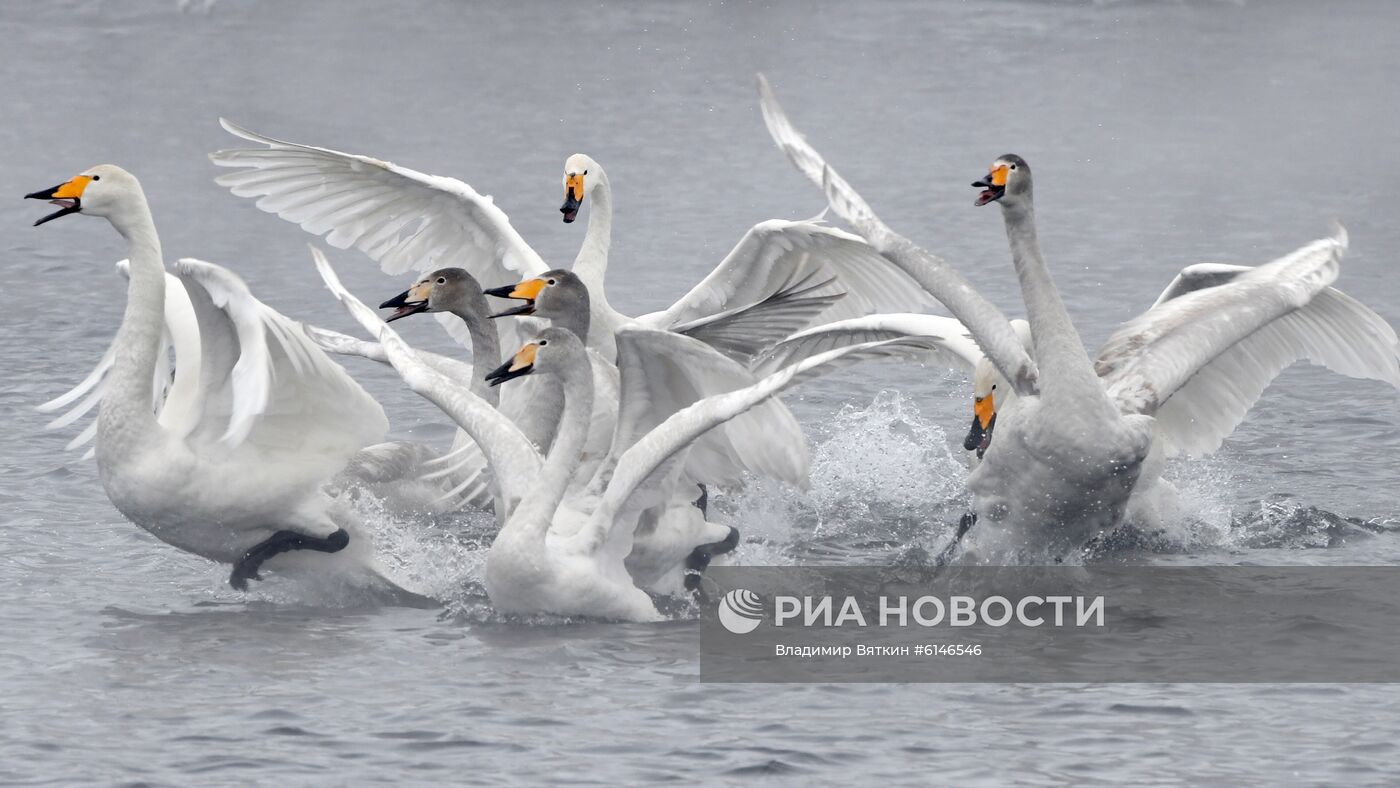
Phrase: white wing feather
pixel 948 340
pixel 1153 355
pixel 403 219
pixel 662 372
pixel 1333 330
pixel 775 253
pixel 265 384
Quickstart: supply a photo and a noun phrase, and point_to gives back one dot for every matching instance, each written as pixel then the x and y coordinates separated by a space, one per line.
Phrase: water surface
pixel 1162 133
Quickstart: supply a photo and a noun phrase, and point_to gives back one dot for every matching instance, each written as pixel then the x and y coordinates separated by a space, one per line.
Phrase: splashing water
pixel 882 477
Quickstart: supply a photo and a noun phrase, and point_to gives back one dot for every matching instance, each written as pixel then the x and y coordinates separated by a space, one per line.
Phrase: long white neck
pixel 127 417
pixel 591 264
pixel 1066 374
pixel 535 513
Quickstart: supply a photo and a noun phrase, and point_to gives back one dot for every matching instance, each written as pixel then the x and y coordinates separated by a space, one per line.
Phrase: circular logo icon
pixel 741 611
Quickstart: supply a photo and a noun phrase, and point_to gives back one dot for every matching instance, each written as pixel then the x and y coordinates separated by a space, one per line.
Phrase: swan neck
pixel 592 261
pixel 127 409
pixel 566 452
pixel 591 264
pixel 1065 369
pixel 486 348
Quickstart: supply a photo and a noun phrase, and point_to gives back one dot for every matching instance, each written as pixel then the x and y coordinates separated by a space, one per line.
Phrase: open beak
pixel 409 302
pixel 526 291
pixel 67 195
pixel 993 186
pixel 984 420
pixel 520 365
pixel 573 197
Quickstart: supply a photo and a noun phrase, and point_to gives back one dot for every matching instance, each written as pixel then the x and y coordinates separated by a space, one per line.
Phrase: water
pixel 1162 134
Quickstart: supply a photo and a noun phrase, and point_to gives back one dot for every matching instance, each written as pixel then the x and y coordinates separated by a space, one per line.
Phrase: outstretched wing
pixel 1203 355
pixel 514 461
pixel 988 326
pixel 745 332
pixel 774 254
pixel 264 384
pixel 403 219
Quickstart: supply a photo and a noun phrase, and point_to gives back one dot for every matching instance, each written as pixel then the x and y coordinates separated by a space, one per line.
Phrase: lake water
pixel 1162 133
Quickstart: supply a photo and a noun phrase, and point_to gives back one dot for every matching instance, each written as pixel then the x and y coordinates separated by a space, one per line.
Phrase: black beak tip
pixel 503 373
pixel 499 292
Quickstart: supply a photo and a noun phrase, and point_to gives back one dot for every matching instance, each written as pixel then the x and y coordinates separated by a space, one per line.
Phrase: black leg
pixel 703 502
pixel 699 559
pixel 282 542
pixel 964 525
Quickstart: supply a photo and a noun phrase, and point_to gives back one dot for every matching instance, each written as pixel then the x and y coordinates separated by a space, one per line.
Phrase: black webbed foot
pixel 699 560
pixel 282 542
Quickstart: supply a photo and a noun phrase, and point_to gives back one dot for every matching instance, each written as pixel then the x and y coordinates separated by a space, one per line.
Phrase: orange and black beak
pixel 520 365
pixel 984 420
pixel 68 196
pixel 993 186
pixel 573 197
pixel 409 302
pixel 526 291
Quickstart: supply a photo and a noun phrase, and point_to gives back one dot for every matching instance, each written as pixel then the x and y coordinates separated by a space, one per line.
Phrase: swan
pixel 257 420
pixel 407 220
pixel 1077 438
pixel 562 549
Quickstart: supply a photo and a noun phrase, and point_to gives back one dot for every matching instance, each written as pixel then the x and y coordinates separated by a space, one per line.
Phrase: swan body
pixel 256 420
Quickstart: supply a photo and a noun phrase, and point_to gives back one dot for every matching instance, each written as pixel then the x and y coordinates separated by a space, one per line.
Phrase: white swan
pixel 562 549
pixel 1084 436
pixel 258 418
pixel 407 220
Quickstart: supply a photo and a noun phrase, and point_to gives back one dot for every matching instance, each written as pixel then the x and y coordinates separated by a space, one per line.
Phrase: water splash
pixel 883 478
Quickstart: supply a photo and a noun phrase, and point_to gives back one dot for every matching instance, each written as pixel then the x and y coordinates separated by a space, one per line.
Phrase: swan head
pixel 438 291
pixel 556 295
pixel 990 391
pixel 577 183
pixel 555 351
pixel 1008 180
pixel 100 191
pixel 985 386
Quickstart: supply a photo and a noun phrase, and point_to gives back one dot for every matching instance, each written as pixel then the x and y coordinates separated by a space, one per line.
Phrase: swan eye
pixel 442 280
pixel 1013 166
pixel 549 281
pixel 97 177
pixel 543 342
pixel 585 172
pixel 994 387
